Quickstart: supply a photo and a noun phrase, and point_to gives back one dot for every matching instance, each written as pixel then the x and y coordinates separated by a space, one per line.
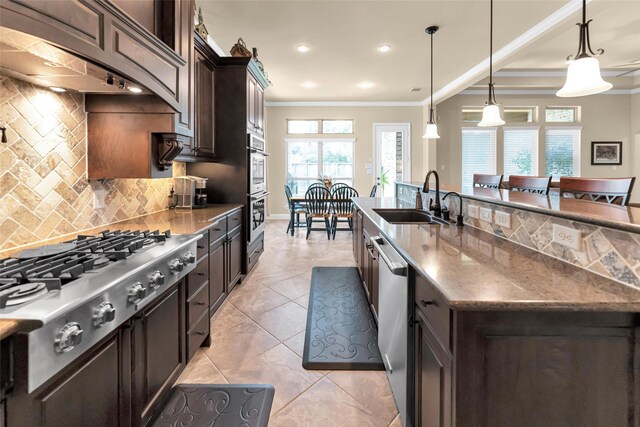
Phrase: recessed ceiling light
pixel 134 89
pixel 384 48
pixel 303 48
pixel 309 85
pixel 57 89
pixel 365 85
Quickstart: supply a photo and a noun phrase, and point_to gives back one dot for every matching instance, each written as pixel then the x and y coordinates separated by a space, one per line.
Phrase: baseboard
pixel 278 216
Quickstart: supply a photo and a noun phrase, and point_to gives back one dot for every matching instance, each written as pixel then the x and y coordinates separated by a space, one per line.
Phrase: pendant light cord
pixel 431 97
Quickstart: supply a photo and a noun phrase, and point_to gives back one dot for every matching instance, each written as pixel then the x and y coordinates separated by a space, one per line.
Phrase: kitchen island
pixel 501 335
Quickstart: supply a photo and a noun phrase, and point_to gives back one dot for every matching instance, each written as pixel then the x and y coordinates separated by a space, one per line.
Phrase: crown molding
pixel 540 92
pixel 473 74
pixel 343 104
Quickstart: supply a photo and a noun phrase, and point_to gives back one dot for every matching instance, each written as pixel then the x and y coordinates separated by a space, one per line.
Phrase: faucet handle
pixel 431 204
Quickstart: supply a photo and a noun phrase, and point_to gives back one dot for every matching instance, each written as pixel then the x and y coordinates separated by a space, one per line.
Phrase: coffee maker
pixel 191 192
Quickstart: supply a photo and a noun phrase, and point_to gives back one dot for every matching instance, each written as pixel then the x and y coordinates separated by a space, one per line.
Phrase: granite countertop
pixel 475 270
pixel 178 221
pixel 625 218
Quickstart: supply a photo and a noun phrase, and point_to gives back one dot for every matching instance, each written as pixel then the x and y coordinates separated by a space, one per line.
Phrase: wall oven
pixel 257 165
pixel 257 214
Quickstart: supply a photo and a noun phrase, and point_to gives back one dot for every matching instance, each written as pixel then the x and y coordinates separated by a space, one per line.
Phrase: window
pixel 520 151
pixel 320 126
pixel 510 114
pixel 562 152
pixel 478 153
pixel 561 114
pixel 520 114
pixel 308 159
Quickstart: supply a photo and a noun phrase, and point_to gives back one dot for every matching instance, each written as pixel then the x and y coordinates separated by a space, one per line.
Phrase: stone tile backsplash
pixel 611 253
pixel 44 192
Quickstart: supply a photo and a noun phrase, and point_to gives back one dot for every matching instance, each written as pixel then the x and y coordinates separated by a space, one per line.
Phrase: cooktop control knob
pixel 105 312
pixel 175 266
pixel 156 279
pixel 188 258
pixel 69 336
pixel 137 292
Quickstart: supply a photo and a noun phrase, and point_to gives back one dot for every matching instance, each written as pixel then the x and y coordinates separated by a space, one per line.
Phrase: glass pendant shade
pixel 431 132
pixel 583 78
pixel 491 116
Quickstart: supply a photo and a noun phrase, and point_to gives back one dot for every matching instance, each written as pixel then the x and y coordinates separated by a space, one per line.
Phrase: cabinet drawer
pixel 196 336
pixel 197 305
pixel 234 219
pixel 254 253
pixel 198 277
pixel 203 245
pixel 218 229
pixel 435 309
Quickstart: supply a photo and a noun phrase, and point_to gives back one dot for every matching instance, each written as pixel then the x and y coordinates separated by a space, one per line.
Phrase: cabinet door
pixel 158 352
pixel 90 394
pixel 204 92
pixel 251 102
pixel 234 253
pixel 259 109
pixel 433 388
pixel 217 274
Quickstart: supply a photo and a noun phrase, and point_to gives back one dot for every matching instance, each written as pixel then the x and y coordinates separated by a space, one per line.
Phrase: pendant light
pixel 583 73
pixel 491 112
pixel 431 132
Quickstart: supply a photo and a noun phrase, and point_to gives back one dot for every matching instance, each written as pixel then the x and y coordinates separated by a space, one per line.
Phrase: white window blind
pixel 478 153
pixel 520 151
pixel 562 152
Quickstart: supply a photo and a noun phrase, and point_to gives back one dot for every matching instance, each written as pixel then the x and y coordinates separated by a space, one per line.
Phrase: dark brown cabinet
pixel 202 146
pixel 366 257
pixel 158 352
pixel 234 257
pixel 255 105
pixel 217 274
pixel 432 376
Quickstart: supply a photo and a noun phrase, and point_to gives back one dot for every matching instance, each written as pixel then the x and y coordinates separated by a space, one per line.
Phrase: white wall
pixel 364 118
pixel 635 132
pixel 604 118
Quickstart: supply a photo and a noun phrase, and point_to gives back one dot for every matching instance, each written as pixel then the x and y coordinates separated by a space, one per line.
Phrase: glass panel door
pixel 392 162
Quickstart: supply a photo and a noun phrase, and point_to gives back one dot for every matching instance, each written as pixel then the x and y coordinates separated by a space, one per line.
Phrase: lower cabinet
pixel 432 376
pixel 366 257
pixel 217 274
pixel 235 248
pixel 158 353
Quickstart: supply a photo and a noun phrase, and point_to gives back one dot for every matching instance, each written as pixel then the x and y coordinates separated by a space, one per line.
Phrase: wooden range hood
pixel 147 42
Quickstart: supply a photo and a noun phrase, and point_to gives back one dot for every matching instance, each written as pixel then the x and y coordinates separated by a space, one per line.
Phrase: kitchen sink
pixel 407 216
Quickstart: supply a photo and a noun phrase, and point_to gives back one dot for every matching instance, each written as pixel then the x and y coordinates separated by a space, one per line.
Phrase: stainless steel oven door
pixel 257 171
pixel 257 214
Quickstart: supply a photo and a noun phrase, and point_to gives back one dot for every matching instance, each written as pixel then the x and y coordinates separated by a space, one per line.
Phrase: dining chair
pixel 316 185
pixel 487 181
pixel 318 202
pixel 342 207
pixel 374 189
pixel 610 190
pixel 295 209
pixel 337 185
pixel 531 184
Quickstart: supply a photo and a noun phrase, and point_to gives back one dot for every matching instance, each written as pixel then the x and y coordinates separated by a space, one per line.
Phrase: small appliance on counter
pixel 191 192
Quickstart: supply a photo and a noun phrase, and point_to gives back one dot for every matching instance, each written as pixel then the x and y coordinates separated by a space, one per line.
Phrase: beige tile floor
pixel 258 337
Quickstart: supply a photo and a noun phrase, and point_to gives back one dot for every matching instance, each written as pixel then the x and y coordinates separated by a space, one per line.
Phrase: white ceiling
pixel 343 36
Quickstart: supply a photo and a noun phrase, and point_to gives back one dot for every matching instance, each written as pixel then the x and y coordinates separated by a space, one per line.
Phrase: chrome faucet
pixel 459 217
pixel 435 207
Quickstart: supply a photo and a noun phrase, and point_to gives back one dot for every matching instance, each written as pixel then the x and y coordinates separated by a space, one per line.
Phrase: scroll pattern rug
pixel 341 332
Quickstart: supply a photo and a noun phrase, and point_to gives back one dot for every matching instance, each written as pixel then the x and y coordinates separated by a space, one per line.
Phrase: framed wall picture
pixel 606 152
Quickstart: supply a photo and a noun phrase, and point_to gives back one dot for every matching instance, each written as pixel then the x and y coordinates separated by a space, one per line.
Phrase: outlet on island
pixel 503 219
pixel 566 236
pixel 486 215
pixel 474 211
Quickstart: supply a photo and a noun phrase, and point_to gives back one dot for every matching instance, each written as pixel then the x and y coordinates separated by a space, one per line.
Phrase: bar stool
pixel 608 190
pixel 531 184
pixel 487 181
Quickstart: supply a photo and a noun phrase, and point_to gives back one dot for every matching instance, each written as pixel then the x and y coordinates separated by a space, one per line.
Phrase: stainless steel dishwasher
pixel 392 320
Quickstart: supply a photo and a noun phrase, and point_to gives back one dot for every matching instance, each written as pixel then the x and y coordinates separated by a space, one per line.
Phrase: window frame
pixel 576 113
pixel 320 152
pixel 320 126
pixel 503 110
pixel 494 130
pixel 577 146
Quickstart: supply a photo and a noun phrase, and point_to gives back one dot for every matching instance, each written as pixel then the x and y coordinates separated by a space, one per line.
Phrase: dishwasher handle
pixel 394 261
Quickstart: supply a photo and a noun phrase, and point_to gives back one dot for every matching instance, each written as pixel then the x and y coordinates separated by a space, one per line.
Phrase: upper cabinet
pixel 255 100
pixel 146 41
